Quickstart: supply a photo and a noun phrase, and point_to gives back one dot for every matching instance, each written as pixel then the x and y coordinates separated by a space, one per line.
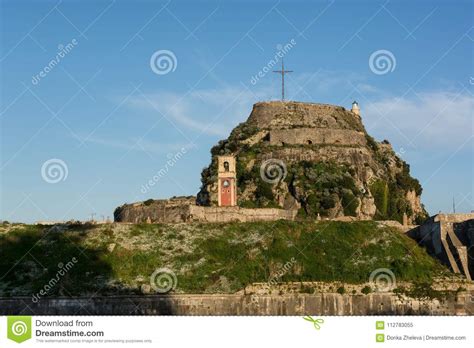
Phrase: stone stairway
pixel 455 250
pixel 449 237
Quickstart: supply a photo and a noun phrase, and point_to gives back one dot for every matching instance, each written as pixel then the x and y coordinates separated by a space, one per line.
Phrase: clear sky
pixel 109 117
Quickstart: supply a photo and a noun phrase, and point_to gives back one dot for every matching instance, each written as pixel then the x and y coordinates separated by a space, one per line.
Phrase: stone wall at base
pixel 229 214
pixel 235 304
pixel 184 210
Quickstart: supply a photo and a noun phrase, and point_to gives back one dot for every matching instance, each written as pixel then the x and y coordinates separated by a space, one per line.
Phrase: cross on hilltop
pixel 282 72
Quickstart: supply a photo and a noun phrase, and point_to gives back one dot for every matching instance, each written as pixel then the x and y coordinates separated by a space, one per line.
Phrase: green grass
pixel 205 257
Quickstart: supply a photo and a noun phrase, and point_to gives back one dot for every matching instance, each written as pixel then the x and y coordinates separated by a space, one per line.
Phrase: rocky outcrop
pixel 318 158
pixel 173 210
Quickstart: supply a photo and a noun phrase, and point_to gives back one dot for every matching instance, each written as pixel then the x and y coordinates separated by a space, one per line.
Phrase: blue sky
pixel 113 123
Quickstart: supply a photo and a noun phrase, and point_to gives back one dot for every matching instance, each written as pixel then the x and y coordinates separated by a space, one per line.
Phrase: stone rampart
pixel 317 136
pixel 178 211
pixel 229 214
pixel 241 304
pixel 450 238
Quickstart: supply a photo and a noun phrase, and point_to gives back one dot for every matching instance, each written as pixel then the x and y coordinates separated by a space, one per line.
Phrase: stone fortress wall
pixel 307 124
pixel 242 304
pixel 229 214
pixel 316 136
pixel 450 238
pixel 184 209
pixel 268 114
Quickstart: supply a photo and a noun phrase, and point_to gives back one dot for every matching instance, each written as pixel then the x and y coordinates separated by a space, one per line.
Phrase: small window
pixel 310 142
pixel 226 166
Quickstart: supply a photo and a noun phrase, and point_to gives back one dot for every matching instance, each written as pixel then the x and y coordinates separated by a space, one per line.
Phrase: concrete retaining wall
pixel 291 304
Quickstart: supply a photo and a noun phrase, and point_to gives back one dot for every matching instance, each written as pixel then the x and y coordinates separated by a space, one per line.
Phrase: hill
pixel 206 258
pixel 319 159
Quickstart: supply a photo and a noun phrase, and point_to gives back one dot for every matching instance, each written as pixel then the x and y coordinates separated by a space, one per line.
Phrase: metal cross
pixel 282 72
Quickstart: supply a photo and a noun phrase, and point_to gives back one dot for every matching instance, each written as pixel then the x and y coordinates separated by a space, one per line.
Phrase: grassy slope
pixel 205 257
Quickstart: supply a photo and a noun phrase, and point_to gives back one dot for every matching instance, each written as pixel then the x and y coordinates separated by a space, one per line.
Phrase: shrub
pixel 371 142
pixel 349 203
pixel 405 181
pixel 264 191
pixel 149 202
pixel 379 190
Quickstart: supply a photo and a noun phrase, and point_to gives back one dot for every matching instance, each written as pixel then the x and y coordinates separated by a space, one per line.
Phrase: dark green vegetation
pixel 206 258
pixel 389 196
pixel 423 290
pixel 389 192
pixel 323 184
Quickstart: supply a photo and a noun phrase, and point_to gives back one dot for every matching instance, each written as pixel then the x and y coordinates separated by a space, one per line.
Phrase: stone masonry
pixel 184 209
pixel 450 238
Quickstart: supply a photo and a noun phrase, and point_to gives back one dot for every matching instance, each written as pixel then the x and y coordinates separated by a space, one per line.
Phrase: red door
pixel 226 195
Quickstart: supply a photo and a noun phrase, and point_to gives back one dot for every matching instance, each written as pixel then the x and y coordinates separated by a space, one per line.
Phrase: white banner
pixel 192 331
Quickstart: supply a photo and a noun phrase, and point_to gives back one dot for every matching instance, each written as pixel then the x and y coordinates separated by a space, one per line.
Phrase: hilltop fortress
pixel 294 158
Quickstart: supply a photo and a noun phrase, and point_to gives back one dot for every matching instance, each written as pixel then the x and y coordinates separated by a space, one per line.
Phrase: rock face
pixel 171 210
pixel 316 158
